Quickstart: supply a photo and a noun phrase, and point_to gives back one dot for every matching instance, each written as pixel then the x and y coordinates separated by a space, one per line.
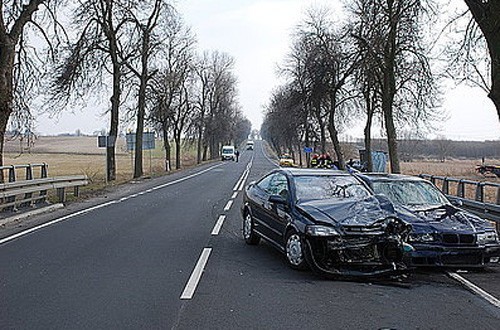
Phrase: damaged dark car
pixel 443 234
pixel 326 220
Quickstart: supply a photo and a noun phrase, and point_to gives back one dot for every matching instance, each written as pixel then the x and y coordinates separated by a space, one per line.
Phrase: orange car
pixel 286 160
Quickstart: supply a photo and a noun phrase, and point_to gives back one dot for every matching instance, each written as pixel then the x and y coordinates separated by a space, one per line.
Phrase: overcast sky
pixel 257 33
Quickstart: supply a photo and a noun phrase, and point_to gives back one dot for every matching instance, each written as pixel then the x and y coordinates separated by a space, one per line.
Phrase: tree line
pixel 139 53
pixel 374 65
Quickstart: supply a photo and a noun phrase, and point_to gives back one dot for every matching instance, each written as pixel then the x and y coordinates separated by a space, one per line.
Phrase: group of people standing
pixel 322 161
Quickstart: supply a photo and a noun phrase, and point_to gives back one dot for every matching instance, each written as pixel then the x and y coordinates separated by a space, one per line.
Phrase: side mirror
pixel 277 199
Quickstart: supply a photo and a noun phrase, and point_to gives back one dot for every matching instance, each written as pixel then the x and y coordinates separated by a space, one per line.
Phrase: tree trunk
pixel 141 111
pixel 307 144
pixel 7 53
pixel 300 154
pixel 199 145
pixel 113 130
pixel 389 91
pixel 494 49
pixel 486 16
pixel 4 119
pixel 166 145
pixel 177 151
pixel 334 134
pixel 368 131
pixel 205 152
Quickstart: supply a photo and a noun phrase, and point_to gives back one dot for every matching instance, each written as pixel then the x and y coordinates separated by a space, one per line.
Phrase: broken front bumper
pixel 445 256
pixel 356 256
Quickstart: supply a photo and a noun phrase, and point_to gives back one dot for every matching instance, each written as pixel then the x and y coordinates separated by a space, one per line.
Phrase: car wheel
pixel 295 251
pixel 249 234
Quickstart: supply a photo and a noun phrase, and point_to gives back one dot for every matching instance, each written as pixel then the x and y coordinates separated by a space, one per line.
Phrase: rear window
pixel 309 187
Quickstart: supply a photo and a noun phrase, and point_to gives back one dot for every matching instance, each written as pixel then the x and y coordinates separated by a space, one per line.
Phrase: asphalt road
pixel 130 261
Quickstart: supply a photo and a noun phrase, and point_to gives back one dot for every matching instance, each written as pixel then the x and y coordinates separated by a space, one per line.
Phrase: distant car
pixel 228 153
pixel 286 160
pixel 327 220
pixel 250 145
pixel 443 234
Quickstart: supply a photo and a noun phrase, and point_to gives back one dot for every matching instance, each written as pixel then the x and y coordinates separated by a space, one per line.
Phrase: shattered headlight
pixel 422 238
pixel 322 231
pixel 487 237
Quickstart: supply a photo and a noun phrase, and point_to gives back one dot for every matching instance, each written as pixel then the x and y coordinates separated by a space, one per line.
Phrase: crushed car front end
pixel 355 238
pixel 374 250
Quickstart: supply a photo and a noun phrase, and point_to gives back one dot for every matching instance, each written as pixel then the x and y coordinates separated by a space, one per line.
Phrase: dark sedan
pixel 442 234
pixel 327 220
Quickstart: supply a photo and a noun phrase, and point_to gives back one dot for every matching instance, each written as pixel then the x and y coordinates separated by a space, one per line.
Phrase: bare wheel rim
pixel 247 227
pixel 294 250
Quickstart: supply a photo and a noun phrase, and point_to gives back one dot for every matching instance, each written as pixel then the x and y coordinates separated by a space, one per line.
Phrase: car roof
pixel 389 177
pixel 314 172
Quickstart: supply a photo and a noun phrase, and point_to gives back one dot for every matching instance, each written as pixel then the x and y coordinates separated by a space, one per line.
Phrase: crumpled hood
pixel 446 218
pixel 347 212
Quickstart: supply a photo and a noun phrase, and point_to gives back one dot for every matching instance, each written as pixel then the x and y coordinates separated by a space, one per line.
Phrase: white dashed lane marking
pixel 228 205
pixel 195 277
pixel 218 225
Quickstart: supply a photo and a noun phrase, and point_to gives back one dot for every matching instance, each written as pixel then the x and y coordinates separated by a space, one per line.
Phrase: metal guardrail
pixel 30 191
pixel 29 169
pixel 479 205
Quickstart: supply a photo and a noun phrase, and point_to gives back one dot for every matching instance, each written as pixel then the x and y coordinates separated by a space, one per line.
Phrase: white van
pixel 228 153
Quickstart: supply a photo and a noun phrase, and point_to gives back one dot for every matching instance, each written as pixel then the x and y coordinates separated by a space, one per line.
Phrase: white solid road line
pixel 218 225
pixel 474 288
pixel 72 215
pixel 242 184
pixel 237 185
pixel 228 205
pixel 28 231
pixel 195 277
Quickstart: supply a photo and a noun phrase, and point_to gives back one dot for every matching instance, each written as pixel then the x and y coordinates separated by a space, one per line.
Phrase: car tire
pixel 295 251
pixel 250 236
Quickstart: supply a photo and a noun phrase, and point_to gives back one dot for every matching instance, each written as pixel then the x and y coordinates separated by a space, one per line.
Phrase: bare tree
pixel 388 33
pixel 147 18
pixel 332 64
pixel 173 83
pixel 202 69
pixel 19 66
pixel 486 14
pixel 221 103
pixel 444 147
pixel 94 55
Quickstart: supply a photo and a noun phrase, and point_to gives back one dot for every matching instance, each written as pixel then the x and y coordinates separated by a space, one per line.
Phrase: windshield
pixel 327 187
pixel 413 194
pixel 227 151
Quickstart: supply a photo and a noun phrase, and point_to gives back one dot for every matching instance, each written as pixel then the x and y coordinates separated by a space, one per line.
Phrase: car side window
pixel 274 184
pixel 279 185
pixel 265 183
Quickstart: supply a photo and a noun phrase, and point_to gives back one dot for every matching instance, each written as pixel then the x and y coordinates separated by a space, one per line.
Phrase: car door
pixel 259 205
pixel 277 214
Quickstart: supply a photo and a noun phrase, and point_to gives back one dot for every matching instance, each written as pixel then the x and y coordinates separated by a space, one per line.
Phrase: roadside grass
pixel 80 155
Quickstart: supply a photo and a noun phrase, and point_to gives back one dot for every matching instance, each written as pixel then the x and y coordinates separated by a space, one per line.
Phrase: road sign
pixel 105 141
pixel 308 150
pixel 148 141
